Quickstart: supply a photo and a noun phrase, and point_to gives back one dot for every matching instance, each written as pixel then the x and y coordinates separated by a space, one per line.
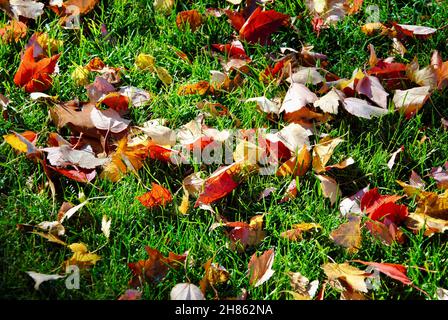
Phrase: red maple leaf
pixel 33 75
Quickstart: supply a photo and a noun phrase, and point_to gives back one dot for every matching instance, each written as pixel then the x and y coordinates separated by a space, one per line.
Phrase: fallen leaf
pixel 81 256
pixel 391 161
pixel 65 155
pixel 302 288
pixel 372 200
pixel 297 97
pixel 411 101
pixel 192 18
pixel 24 142
pixel 297 230
pixel 13 31
pixel 371 87
pixel 260 268
pixel 420 32
pixel 158 196
pixel 395 271
pixel 163 6
pixel 442 294
pixel 261 24
pixel 214 275
pixel 330 101
pixel 26 8
pixel 39 278
pixel 155 268
pixel 109 120
pixel 131 294
pixel 347 276
pixel 297 165
pixel 186 291
pixel 105 226
pixel 217 186
pixel 362 108
pixel 423 77
pixel 348 235
pixel 441 176
pixel 323 151
pixel 125 158
pixel 330 188
pixel 35 75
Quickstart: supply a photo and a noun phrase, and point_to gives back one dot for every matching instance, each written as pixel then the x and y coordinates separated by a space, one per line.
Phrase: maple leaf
pixel 81 256
pixel 191 17
pixel 13 31
pixel 261 24
pixel 245 235
pixel 348 234
pixel 125 158
pixel 214 275
pixel 297 165
pixel 155 268
pixel 33 75
pixel 346 276
pixel 158 196
pixel 372 200
pixel 219 184
pixel 260 268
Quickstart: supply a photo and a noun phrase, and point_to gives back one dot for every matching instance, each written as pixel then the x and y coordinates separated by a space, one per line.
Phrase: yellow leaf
pixel 323 151
pixel 50 237
pixel 184 206
pixel 297 166
pixel 81 256
pixel 163 75
pixel 126 158
pixel 80 76
pixel 346 275
pixel 145 62
pixel 163 6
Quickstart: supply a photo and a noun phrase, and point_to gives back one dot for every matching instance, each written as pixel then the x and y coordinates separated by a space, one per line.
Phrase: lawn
pixel 134 27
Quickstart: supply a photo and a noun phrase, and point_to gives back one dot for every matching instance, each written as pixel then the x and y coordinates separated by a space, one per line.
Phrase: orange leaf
pixel 298 165
pixel 116 101
pixel 35 76
pixel 190 17
pixel 13 31
pixel 158 196
pixel 216 188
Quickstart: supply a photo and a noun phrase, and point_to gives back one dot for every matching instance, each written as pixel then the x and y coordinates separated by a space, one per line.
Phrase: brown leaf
pixel 347 276
pixel 260 268
pixel 155 268
pixel 191 17
pixel 348 234
pixel 297 230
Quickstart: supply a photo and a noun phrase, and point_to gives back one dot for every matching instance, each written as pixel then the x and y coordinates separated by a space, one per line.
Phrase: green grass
pixel 134 27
